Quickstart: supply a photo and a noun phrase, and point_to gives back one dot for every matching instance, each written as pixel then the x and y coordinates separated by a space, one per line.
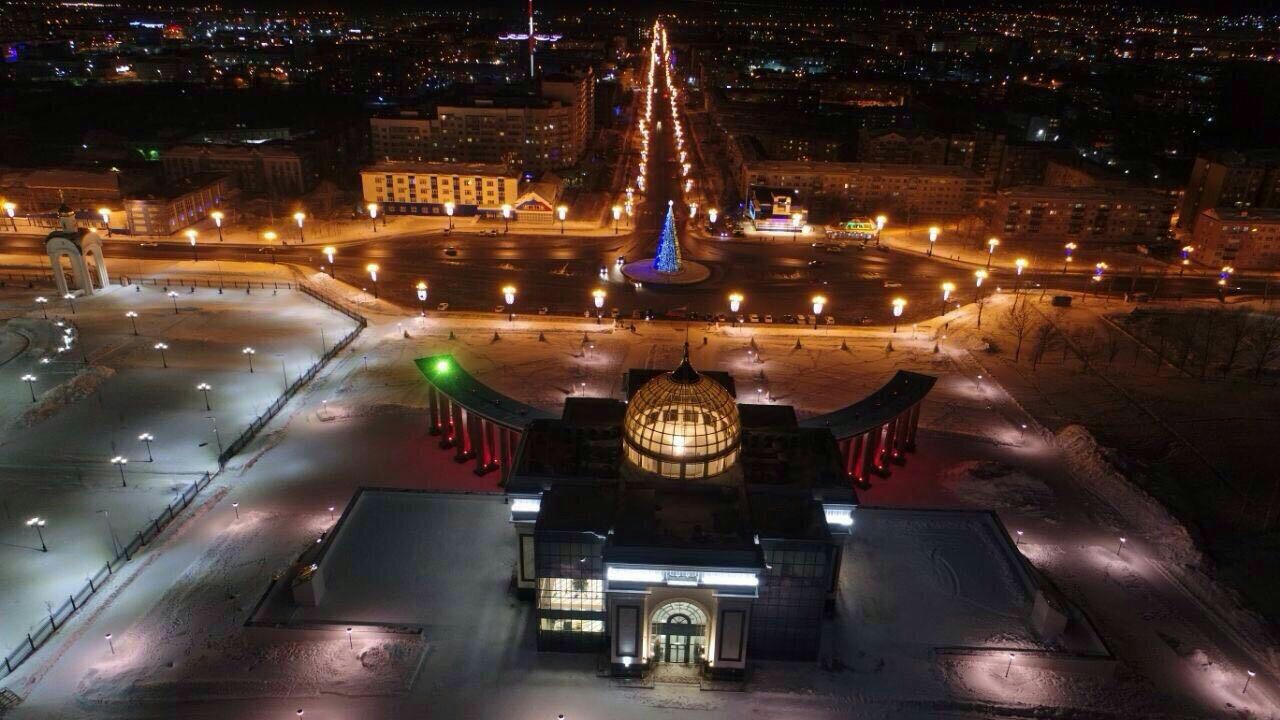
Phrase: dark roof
pixel 766 416
pixel 788 517
pixel 681 524
pixel 553 449
pixel 587 411
pixel 577 508
pixel 902 391
pixel 449 377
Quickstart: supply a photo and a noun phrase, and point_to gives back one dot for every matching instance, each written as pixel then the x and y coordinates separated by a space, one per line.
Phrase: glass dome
pixel 682 425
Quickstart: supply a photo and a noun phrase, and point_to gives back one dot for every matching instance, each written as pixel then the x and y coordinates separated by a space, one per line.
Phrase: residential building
pixel 1084 215
pixel 410 188
pixel 178 204
pixel 1243 239
pixel 913 192
pixel 1231 179
pixel 35 191
pixel 272 168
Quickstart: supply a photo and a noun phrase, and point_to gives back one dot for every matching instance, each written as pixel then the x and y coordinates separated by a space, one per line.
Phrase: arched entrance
pixel 679 632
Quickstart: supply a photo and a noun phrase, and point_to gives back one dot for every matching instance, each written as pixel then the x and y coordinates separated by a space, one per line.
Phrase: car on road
pixel 148 243
pixel 499 308
pixel 739 234
pixel 816 263
pixel 789 319
pixel 864 320
pixel 543 310
pixel 489 233
pixel 622 260
pixel 451 251
pixel 768 318
pixel 831 319
pixel 753 318
pixel 892 284
pixel 834 249
pixel 721 317
pixel 442 307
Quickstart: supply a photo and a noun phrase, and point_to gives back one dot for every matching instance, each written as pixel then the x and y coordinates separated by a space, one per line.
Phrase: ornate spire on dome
pixel 684 372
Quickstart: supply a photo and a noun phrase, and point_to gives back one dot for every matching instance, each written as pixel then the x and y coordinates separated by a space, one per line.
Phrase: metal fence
pixel 207 282
pixel 59 616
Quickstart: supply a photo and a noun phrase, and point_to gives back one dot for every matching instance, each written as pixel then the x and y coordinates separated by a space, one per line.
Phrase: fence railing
pixel 207 282
pixel 59 616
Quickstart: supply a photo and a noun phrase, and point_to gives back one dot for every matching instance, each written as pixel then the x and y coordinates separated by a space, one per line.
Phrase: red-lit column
pixel 480 442
pixel 886 448
pixel 914 424
pixel 900 437
pixel 870 449
pixel 459 434
pixel 446 422
pixel 504 452
pixel 433 403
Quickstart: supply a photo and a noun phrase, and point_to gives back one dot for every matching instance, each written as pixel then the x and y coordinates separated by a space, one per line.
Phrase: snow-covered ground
pixel 360 424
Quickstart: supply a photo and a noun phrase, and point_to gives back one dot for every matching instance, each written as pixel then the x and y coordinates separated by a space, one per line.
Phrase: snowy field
pixel 93 402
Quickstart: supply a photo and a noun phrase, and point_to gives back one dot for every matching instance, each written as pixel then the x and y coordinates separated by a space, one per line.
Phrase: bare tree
pixel 1236 325
pixel 1085 340
pixel 1042 339
pixel 1112 337
pixel 1016 320
pixel 1264 344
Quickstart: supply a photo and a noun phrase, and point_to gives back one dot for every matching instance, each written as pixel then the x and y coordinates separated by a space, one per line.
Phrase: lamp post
pixel 205 388
pixel 598 296
pixel 617 215
pixel 105 214
pixel 712 214
pixel 1186 259
pixel 1098 270
pixel 38 524
pixel 992 244
pixel 735 302
pixel 509 297
pixel 173 295
pixel 162 347
pixel 9 208
pixel 249 353
pixel 819 303
pixel 933 238
pixel 270 236
pixel 372 269
pixel 880 222
pixel 217 222
pixel 120 461
pixel 191 238
pixel 115 543
pixel 506 219
pixel 448 210
pixel 30 380
pixel 71 300
pixel 1020 264
pixel 1223 277
pixel 898 305
pixel 43 302
pixel 1066 260
pixel 299 217
pixel 110 644
pixel 421 288
pixel 133 320
pixel 373 215
pixel 1249 678
pixel 947 288
pixel 796 219
pixel 148 438
pixel 693 210
pixel 329 252
pixel 978 277
pixel 562 212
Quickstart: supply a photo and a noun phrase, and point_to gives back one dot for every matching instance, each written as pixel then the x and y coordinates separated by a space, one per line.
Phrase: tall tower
pixel 532 43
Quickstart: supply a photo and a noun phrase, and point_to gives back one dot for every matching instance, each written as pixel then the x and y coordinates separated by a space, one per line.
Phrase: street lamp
pixel 162 347
pixel 372 268
pixel 329 252
pixel 421 287
pixel 933 238
pixel 38 524
pixel 71 300
pixel 796 219
pixel 693 210
pixel 133 320
pixel 947 289
pixel 1067 249
pixel 617 215
pixel 191 238
pixel 105 214
pixel 735 302
pixel 43 301
pixel 205 388
pixel 506 218
pixel 373 214
pixel 30 380
pixel 880 221
pixel 898 305
pixel 992 244
pixel 299 217
pixel 978 277
pixel 562 212
pixel 217 222
pixel 1224 275
pixel 509 294
pixel 819 302
pixel 598 296
pixel 448 210
pixel 120 461
pixel 173 295
pixel 148 438
pixel 1020 264
pixel 249 353
pixel 1186 258
pixel 712 214
pixel 8 210
pixel 1248 679
pixel 270 236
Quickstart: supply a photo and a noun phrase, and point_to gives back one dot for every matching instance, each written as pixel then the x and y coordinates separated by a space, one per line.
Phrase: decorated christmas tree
pixel 668 259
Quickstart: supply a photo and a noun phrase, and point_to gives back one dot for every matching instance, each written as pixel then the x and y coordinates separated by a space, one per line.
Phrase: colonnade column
pixel 478 434
pixel 912 425
pixel 433 403
pixel 459 434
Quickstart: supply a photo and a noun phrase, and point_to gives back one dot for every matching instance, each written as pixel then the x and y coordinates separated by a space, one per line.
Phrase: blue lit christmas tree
pixel 668 259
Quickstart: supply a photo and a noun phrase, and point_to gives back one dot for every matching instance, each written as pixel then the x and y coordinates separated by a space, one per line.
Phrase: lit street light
pixel 933 238
pixel 162 347
pixel 562 212
pixel 1067 249
pixel 1247 680
pixel 173 295
pixel 120 461
pixel 191 238
pixel 617 215
pixel 735 302
pixel 898 305
pixel 71 300
pixel 8 210
pixel 448 210
pixel 30 380
pixel 270 236
pixel 373 214
pixel 205 388
pixel 598 296
pixel 372 269
pixel 978 277
pixel 712 214
pixel 148 438
pixel 506 218
pixel 249 353
pixel 880 222
pixel 133 320
pixel 992 244
pixel 421 288
pixel 796 219
pixel 693 210
pixel 38 524
pixel 110 644
pixel 105 214
pixel 43 302
pixel 299 217
pixel 1186 258
pixel 329 252
pixel 947 289
pixel 1020 264
pixel 217 222
pixel 819 303
pixel 509 297
pixel 1120 545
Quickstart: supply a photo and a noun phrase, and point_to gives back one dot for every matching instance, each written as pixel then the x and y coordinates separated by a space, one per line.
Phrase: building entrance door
pixel 679 632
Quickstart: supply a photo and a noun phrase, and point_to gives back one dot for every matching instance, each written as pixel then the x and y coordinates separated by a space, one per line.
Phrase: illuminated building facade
pixel 407 188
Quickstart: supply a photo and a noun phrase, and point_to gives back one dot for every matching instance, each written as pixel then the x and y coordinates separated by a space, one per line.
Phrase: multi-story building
pixel 177 204
pixel 1235 180
pixel 1243 239
pixel 406 188
pixel 981 151
pixel 277 169
pixel 1094 215
pixel 37 191
pixel 914 192
pixel 543 132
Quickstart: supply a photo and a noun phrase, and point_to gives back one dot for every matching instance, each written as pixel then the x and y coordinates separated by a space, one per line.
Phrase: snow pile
pixel 1122 506
pixel 58 397
pixel 996 486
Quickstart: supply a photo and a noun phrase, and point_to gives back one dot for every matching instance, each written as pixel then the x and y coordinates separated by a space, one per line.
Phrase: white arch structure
pixel 77 245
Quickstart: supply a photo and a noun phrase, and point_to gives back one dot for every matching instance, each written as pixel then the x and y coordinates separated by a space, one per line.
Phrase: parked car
pixel 442 306
pixel 816 263
pixel 499 308
pixel 768 318
pixel 753 318
pixel 543 310
pixel 831 319
pixel 789 319
pixel 451 251
pixel 834 249
pixel 490 233
pixel 892 284
pixel 622 260
pixel 864 320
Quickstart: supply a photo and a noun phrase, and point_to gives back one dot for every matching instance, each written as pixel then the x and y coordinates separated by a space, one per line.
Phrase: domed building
pixel 677 530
